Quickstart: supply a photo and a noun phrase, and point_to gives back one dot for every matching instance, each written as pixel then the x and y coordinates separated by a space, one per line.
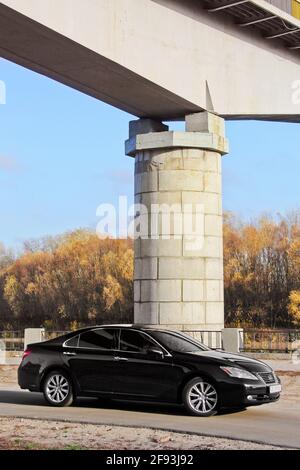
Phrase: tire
pixel 58 389
pixel 200 397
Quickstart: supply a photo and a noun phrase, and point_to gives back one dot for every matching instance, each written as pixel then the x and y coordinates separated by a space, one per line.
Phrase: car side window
pixel 133 341
pixel 176 343
pixel 72 342
pixel 98 339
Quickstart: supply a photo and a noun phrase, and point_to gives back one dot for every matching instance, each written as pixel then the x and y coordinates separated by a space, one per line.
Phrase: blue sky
pixel 62 154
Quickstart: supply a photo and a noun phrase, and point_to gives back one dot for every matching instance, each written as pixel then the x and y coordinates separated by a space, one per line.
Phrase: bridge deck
pixel 163 58
pixel 262 17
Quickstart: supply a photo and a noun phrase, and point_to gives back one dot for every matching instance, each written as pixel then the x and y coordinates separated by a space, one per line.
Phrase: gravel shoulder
pixel 8 376
pixel 26 434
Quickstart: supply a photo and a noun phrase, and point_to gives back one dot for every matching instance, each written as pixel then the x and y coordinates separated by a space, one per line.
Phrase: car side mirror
pixel 156 352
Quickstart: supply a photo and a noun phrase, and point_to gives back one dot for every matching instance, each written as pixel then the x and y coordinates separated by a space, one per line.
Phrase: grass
pixel 25 445
pixel 74 447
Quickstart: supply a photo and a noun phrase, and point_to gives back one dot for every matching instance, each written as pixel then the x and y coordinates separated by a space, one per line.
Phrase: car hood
pixel 230 359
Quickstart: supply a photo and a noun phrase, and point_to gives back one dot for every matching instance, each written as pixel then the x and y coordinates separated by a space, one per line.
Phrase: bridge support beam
pixel 178 279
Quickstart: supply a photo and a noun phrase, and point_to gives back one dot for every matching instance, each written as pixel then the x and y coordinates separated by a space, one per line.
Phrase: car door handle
pixel 124 359
pixel 70 353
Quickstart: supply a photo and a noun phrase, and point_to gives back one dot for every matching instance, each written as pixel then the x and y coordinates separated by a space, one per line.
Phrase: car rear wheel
pixel 58 389
pixel 200 398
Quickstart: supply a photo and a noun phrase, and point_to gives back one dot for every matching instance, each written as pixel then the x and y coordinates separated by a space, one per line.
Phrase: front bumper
pixel 235 392
pixel 257 394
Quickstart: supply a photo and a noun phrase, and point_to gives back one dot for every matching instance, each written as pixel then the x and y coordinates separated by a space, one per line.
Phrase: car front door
pixel 91 359
pixel 142 370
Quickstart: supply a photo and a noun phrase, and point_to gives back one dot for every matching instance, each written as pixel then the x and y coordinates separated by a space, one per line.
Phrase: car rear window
pixel 72 342
pixel 98 339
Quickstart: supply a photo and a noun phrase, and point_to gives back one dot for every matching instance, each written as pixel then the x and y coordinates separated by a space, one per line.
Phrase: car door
pixel 141 372
pixel 91 359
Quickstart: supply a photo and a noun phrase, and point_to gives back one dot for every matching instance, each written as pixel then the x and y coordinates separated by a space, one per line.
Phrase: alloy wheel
pixel 202 397
pixel 57 388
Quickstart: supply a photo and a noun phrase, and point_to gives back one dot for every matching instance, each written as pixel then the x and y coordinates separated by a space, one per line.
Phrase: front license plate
pixel 275 388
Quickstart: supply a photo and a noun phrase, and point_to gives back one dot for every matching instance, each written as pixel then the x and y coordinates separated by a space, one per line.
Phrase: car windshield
pixel 178 342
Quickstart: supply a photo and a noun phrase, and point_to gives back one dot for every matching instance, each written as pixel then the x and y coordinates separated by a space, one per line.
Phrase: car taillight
pixel 26 353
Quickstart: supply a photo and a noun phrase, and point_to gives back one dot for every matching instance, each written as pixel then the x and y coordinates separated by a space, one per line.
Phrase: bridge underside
pixel 43 50
pixel 162 59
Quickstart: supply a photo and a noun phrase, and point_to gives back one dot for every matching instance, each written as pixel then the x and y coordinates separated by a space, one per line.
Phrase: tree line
pixel 66 282
pixel 77 279
pixel 262 271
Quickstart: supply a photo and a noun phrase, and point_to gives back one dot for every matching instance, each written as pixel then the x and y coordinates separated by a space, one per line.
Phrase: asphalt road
pixel 277 423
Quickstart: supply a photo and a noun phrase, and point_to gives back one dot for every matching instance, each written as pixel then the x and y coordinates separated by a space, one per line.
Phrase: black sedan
pixel 141 363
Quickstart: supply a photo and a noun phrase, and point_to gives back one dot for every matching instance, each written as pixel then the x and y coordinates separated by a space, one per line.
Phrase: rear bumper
pixel 28 379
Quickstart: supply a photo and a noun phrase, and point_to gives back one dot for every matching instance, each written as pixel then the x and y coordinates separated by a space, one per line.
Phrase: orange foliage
pixel 83 280
pixel 77 279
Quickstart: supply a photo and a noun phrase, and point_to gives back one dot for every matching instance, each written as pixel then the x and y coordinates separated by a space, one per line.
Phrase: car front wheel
pixel 58 389
pixel 200 398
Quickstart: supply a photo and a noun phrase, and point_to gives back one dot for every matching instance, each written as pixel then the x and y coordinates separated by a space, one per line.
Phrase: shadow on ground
pixel 36 399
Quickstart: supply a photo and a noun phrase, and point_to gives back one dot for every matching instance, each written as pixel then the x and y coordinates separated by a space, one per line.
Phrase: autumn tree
pixel 78 279
pixel 83 280
pixel 261 267
pixel 294 307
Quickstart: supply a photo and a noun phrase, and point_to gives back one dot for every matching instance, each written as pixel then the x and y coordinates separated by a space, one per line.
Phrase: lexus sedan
pixel 149 364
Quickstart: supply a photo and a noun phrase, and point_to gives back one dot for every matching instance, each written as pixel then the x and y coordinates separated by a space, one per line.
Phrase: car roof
pixel 135 326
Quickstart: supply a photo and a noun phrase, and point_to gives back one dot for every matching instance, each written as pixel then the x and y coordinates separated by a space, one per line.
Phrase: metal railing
pixel 12 340
pixel 267 340
pixel 252 340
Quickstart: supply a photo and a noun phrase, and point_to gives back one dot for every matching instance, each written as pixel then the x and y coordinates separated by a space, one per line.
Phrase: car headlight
pixel 238 373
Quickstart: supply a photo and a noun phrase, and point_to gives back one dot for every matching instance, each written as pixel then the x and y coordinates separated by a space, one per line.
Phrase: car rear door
pixel 91 359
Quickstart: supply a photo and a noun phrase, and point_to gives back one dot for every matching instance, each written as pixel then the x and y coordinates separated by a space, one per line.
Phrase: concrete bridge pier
pixel 179 240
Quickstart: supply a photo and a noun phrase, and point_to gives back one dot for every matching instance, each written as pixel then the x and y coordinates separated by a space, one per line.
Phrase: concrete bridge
pixel 163 60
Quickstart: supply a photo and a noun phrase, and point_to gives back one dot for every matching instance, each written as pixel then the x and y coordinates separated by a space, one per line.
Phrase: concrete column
pixel 232 339
pixel 33 335
pixel 2 352
pixel 178 279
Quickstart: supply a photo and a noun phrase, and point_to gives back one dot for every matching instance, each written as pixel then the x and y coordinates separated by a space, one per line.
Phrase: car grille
pixel 267 377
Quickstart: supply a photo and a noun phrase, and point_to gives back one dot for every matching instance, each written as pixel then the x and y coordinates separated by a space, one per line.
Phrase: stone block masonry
pixel 178 265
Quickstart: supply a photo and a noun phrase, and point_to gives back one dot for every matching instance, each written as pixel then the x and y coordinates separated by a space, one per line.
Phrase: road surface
pixel 277 423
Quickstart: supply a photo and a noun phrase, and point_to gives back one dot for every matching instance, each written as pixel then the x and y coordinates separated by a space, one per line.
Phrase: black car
pixel 149 364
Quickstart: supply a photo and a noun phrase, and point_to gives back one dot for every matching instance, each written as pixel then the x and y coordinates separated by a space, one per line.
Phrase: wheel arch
pixel 58 368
